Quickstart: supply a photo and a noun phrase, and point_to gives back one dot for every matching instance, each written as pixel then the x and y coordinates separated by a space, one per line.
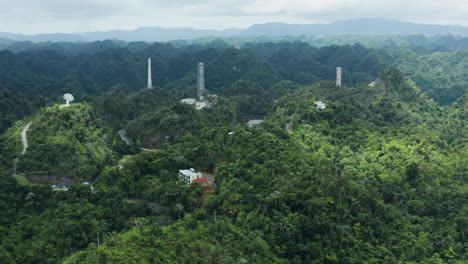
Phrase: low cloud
pixel 89 15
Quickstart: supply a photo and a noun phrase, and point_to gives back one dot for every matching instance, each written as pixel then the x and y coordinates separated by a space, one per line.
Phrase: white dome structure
pixel 69 98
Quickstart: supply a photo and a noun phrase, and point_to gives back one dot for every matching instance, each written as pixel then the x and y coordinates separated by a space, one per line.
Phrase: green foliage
pixel 117 107
pixel 190 241
pixel 14 106
pixel 41 226
pixel 441 75
pixel 64 141
pixel 361 181
pixel 378 176
pixel 169 124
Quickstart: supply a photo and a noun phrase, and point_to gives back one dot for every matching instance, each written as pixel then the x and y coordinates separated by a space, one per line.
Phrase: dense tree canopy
pixel 376 175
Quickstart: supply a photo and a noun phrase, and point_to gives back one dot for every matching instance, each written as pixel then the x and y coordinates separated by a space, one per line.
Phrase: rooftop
pixel 254 122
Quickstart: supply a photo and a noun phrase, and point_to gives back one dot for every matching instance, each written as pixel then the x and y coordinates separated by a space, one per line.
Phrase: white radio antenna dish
pixel 69 98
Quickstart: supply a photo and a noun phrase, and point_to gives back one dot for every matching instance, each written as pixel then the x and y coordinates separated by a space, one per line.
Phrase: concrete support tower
pixel 200 81
pixel 338 76
pixel 150 81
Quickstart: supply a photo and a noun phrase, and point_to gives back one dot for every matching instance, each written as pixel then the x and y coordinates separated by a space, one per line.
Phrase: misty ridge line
pixel 367 26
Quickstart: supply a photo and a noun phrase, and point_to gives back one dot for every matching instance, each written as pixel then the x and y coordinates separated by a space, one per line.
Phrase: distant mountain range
pixel 369 26
pixel 352 27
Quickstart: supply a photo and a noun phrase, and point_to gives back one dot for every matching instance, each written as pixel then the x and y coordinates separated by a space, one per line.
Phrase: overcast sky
pixel 47 16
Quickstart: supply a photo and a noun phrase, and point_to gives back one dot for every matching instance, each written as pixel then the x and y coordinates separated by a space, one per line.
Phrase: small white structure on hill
pixel 189 101
pixel 189 175
pixel 320 105
pixel 59 187
pixel 200 104
pixel 254 122
pixel 68 98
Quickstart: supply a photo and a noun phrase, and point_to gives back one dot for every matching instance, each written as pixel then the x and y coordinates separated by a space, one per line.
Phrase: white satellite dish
pixel 69 98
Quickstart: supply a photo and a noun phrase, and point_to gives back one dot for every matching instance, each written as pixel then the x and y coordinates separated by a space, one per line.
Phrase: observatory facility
pixel 189 175
pixel 200 101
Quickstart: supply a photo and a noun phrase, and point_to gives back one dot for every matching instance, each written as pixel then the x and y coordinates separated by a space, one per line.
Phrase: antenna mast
pixel 200 81
pixel 338 76
pixel 150 81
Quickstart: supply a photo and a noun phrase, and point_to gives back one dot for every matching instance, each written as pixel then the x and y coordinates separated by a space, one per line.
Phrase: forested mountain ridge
pixel 372 171
pixel 118 106
pixel 14 106
pixel 442 74
pixel 63 141
pixel 375 177
pixel 87 75
pixel 114 66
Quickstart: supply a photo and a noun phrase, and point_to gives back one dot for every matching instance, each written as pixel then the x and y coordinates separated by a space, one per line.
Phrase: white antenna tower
pixel 338 76
pixel 150 81
pixel 200 81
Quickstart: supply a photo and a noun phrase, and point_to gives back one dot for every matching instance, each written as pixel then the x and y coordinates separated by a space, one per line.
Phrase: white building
pixel 189 175
pixel 254 122
pixel 200 104
pixel 189 101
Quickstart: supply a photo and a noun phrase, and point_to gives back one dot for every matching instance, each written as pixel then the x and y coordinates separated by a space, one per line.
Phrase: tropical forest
pixel 264 153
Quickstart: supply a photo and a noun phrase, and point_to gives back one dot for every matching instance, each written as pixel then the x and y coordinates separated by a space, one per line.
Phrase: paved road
pixel 25 146
pixel 24 138
pixel 123 135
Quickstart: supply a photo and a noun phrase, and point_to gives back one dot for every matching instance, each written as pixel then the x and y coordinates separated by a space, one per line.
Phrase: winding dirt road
pixel 123 135
pixel 24 138
pixel 25 147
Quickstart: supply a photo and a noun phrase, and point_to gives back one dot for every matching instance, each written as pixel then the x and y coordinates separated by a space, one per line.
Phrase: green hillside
pixel 63 141
pixel 376 177
pixel 442 75
pixel 373 171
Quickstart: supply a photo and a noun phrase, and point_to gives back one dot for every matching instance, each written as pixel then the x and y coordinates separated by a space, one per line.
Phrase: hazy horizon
pixel 51 16
pixel 223 29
